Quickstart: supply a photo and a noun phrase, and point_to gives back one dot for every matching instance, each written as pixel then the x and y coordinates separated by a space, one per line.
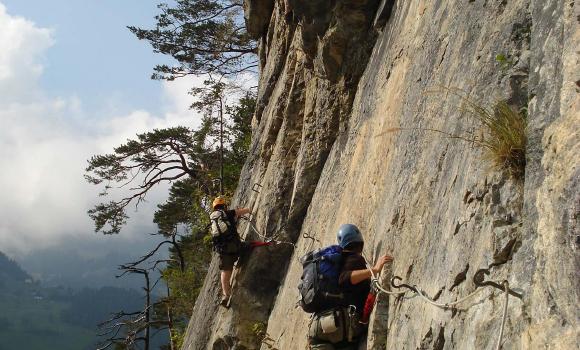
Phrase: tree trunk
pixel 221 146
pixel 147 312
pixel 169 322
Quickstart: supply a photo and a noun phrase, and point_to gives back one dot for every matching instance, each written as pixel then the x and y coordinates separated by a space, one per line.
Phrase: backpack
pixel 223 234
pixel 318 287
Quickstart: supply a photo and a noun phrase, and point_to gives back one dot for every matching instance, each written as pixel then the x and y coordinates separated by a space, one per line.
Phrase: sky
pixel 74 82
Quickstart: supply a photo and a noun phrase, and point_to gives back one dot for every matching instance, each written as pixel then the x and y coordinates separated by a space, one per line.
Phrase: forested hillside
pixel 34 317
pixel 10 270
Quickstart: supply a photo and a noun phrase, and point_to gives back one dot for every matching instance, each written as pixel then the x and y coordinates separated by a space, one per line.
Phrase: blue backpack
pixel 318 287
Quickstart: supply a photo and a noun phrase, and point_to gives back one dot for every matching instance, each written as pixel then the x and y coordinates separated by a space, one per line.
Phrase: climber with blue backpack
pixel 334 287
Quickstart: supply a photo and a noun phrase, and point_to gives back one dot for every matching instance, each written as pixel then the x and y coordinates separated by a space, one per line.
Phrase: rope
pixel 421 294
pixel 375 281
pixel 446 305
pixel 376 284
pixel 504 317
pixel 264 237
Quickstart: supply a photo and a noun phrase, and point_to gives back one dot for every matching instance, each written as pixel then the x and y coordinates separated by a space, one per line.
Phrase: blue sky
pixel 74 82
pixel 94 56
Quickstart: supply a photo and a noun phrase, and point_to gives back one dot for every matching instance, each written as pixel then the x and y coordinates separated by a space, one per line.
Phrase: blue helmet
pixel 347 234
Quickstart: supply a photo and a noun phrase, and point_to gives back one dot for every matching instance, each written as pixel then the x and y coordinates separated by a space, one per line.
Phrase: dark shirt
pixel 356 294
pixel 231 215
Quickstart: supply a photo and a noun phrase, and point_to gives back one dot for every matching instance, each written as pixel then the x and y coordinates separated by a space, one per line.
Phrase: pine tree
pixel 203 36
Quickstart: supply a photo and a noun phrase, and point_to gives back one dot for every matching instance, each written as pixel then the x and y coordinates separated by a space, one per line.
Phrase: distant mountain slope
pixel 57 317
pixel 88 263
pixel 10 270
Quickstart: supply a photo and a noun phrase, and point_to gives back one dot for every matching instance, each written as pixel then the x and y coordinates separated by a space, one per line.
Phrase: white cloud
pixel 45 142
pixel 21 47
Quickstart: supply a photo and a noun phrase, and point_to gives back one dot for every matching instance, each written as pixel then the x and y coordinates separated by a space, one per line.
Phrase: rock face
pixel 347 92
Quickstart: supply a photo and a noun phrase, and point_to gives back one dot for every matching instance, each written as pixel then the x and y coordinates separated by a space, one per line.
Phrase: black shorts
pixel 227 261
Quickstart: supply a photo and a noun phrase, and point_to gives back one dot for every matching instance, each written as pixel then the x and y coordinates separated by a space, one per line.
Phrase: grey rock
pixel 341 134
pixel 257 15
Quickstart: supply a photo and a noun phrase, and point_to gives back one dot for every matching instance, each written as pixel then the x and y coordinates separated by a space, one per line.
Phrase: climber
pixel 354 282
pixel 288 11
pixel 226 241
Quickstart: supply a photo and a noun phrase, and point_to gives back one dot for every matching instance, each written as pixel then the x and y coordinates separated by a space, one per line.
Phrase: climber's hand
pixel 381 262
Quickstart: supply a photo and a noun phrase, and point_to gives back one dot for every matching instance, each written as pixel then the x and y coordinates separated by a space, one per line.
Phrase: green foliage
pixel 504 62
pixel 259 330
pixel 111 213
pixel 188 201
pixel 177 337
pixel 163 155
pixel 180 155
pixel 203 36
pixel 179 208
pixel 187 206
pixel 241 116
pixel 194 154
pixel 261 336
pixel 185 285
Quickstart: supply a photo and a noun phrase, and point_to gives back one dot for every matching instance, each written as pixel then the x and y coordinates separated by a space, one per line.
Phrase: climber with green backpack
pixel 226 241
pixel 334 287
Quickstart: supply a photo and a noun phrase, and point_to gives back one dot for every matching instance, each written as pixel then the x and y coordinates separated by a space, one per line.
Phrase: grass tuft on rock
pixel 504 136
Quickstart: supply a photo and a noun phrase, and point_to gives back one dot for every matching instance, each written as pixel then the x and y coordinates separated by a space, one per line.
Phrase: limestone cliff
pixel 336 78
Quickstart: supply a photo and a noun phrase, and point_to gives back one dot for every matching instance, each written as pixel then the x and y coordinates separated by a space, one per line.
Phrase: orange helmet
pixel 218 201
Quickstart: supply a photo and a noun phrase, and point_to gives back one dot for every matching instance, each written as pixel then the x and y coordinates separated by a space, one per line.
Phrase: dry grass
pixel 502 135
